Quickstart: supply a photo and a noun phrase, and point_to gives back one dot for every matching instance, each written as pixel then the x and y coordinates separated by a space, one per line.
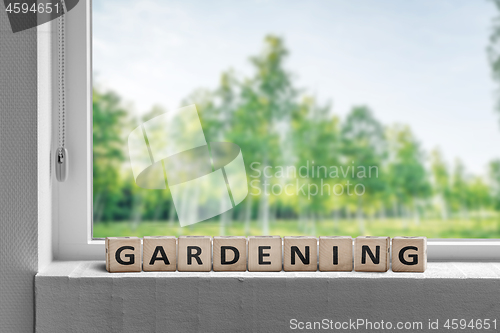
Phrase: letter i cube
pixel 335 253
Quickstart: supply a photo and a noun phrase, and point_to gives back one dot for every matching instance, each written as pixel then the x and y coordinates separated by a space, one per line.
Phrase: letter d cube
pixel 230 254
pixel 123 254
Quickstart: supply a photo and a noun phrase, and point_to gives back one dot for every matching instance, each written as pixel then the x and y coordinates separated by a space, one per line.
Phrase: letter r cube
pixel 194 254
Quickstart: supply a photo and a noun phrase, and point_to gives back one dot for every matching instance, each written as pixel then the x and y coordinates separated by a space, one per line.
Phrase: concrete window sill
pixel 83 297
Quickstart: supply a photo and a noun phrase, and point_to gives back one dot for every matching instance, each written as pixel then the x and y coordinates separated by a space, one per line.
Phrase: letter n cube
pixel 300 254
pixel 371 254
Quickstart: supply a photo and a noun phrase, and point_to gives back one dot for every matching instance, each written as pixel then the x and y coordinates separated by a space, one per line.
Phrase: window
pixel 378 160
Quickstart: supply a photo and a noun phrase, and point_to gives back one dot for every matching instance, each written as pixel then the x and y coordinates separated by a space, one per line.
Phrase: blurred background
pixel 395 103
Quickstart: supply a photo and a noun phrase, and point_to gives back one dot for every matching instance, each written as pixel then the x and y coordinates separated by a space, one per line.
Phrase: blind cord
pixel 61 158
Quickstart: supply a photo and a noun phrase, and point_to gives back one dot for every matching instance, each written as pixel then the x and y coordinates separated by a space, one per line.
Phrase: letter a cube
pixel 160 253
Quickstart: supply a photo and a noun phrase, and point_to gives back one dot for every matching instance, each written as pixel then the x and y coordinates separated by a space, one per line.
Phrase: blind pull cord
pixel 61 158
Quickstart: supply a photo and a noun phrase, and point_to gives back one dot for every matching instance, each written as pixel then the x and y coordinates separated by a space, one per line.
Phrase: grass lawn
pixel 474 228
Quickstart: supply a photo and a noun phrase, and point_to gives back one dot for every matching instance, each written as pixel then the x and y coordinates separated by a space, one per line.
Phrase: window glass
pixel 350 118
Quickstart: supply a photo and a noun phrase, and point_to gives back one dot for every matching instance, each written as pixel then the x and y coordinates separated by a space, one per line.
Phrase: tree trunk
pixel 336 221
pixel 395 208
pixel 444 209
pixel 416 216
pixel 382 212
pixel 223 223
pixel 248 214
pixel 360 218
pixel 171 214
pixel 158 210
pixel 137 212
pixel 265 215
pixel 312 229
pixel 404 209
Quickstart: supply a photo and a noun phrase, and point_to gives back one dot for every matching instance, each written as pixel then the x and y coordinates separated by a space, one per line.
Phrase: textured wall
pixel 83 297
pixel 18 176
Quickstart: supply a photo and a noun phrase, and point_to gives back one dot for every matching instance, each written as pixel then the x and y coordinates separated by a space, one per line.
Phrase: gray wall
pixel 83 297
pixel 18 176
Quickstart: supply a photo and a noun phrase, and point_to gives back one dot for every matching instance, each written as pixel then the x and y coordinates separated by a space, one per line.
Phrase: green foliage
pixel 494 48
pixel 108 154
pixel 495 183
pixel 276 124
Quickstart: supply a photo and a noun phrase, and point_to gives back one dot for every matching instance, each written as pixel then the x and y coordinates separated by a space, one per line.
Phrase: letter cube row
pixel 265 254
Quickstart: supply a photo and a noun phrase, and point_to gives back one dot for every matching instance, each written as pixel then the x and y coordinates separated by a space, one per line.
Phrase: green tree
pixel 363 148
pixel 266 99
pixel 494 174
pixel 109 121
pixel 494 49
pixel 459 191
pixel 441 182
pixel 314 138
pixel 407 176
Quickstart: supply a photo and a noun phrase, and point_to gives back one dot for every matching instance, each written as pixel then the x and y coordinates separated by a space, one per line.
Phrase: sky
pixel 421 63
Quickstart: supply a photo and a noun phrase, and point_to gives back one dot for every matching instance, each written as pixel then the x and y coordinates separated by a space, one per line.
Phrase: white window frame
pixel 72 208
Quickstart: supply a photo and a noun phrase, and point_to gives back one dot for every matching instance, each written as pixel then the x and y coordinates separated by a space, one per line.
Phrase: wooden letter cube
pixel 335 253
pixel 371 254
pixel 230 254
pixel 123 254
pixel 264 254
pixel 160 253
pixel 195 254
pixel 409 254
pixel 301 254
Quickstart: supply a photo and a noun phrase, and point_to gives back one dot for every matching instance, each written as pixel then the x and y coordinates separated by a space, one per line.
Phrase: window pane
pixel 341 118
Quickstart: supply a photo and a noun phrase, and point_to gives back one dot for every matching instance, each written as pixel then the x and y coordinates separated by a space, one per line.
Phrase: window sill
pixel 435 270
pixel 82 297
